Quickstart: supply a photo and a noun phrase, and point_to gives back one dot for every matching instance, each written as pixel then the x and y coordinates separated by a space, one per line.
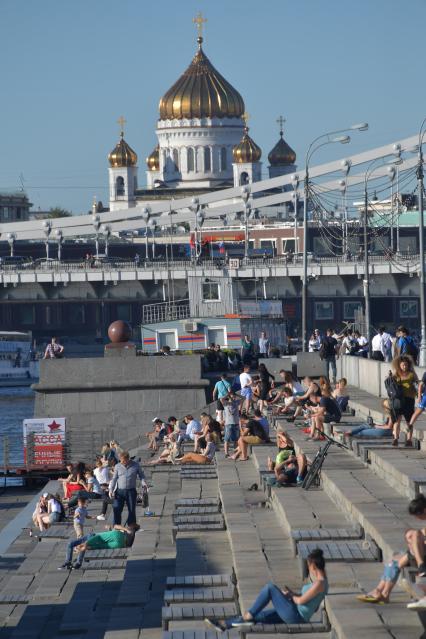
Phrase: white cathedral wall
pixel 127 199
pixel 183 135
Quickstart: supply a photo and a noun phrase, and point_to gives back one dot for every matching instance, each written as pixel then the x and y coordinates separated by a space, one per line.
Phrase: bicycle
pixel 315 468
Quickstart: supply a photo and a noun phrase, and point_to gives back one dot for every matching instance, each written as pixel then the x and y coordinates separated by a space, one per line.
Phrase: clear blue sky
pixel 69 68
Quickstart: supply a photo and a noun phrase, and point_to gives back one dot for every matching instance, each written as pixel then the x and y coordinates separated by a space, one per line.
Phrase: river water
pixel 16 404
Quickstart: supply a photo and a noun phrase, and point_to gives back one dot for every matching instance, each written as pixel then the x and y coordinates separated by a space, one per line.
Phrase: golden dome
pixel 247 150
pixel 282 154
pixel 122 154
pixel 153 160
pixel 201 92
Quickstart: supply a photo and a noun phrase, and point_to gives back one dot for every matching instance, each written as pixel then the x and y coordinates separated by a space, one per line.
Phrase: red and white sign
pixel 48 436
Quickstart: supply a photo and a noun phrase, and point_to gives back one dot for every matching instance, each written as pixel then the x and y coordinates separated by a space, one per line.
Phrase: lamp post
pixel 420 176
pixel 96 221
pixel 47 229
pixel 153 225
pixel 146 214
pixel 373 166
pixel 245 194
pixel 322 140
pixel 59 239
pixel 106 232
pixel 295 184
pixel 199 221
pixel 11 238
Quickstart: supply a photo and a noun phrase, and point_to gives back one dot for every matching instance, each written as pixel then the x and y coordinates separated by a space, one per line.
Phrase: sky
pixel 70 68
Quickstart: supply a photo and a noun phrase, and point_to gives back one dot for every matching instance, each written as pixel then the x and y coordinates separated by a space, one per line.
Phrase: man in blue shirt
pixel 405 344
pixel 221 390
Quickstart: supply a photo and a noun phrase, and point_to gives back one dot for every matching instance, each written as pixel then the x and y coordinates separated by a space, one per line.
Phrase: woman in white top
pixel 102 472
pixel 54 510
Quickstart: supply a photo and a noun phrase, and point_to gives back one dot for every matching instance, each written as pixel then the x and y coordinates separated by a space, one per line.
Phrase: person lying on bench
pixel 416 541
pixel 119 537
pixel 287 607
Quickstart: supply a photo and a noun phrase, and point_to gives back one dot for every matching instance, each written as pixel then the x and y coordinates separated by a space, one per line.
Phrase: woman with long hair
pixel 405 376
pixel 286 606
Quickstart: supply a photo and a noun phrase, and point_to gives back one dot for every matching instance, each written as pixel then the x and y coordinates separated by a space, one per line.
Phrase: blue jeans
pixel 283 609
pixel 366 431
pixel 391 571
pixel 127 497
pixel 76 542
pixel 330 362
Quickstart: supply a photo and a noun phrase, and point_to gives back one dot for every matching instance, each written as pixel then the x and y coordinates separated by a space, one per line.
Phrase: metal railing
pixel 56 266
pixel 165 311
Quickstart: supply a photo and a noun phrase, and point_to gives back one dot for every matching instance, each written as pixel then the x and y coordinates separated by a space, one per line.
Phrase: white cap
pixel 156 419
pixel 45 495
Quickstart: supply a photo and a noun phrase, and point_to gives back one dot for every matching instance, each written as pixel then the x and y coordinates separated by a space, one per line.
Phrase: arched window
pixel 223 159
pixel 207 159
pixel 191 160
pixel 176 159
pixel 244 178
pixel 119 186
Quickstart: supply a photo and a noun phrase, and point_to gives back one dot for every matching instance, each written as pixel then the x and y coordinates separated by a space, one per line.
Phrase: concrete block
pixel 310 364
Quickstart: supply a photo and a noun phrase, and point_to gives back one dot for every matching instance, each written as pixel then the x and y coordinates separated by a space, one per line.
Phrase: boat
pixel 19 365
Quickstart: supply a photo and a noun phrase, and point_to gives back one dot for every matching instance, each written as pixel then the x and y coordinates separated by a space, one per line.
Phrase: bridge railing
pixel 60 266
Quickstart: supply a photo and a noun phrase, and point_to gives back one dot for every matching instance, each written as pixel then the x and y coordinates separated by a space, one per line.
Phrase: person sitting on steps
pixel 416 542
pixel 287 606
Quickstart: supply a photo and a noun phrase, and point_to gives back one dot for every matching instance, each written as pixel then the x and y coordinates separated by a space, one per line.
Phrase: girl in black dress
pixel 265 385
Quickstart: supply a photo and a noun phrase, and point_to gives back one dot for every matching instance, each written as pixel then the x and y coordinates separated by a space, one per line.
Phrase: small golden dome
pixel 282 154
pixel 122 154
pixel 247 150
pixel 153 160
pixel 201 92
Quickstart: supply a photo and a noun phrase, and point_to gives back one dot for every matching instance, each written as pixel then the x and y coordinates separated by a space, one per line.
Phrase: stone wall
pixel 118 396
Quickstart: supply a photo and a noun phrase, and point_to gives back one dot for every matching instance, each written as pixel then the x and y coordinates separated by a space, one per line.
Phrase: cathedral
pixel 203 142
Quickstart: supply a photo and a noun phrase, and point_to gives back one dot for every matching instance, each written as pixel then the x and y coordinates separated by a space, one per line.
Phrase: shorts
pixel 78 530
pixel 407 408
pixel 290 475
pixel 54 518
pixel 247 392
pixel 422 403
pixel 331 418
pixel 264 390
pixel 219 405
pixel 232 433
pixel 253 440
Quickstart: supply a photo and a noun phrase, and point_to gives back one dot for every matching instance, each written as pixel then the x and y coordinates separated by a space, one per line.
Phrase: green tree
pixel 57 211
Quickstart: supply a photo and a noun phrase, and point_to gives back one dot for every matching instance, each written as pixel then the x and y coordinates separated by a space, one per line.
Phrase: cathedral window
pixel 176 159
pixel 207 159
pixel 223 159
pixel 119 186
pixel 191 160
pixel 244 178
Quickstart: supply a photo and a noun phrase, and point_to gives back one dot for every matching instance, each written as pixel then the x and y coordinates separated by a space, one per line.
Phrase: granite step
pixel 189 581
pixel 196 612
pixel 197 595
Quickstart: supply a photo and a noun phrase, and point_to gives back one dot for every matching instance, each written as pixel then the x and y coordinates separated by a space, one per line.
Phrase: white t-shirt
pixel 102 474
pixel 92 481
pixel 376 343
pixel 55 506
pixel 245 380
pixel 362 341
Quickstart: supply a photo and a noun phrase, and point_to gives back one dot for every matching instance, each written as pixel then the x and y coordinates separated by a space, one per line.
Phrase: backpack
pixel 393 389
pixel 410 347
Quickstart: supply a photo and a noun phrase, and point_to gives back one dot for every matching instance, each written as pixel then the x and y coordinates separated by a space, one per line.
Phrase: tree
pixel 57 211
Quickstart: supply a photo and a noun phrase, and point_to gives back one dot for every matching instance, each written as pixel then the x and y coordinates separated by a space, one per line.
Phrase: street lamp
pixel 106 232
pixel 153 225
pixel 373 166
pixel 420 176
pixel 199 221
pixel 146 214
pixel 245 195
pixel 339 136
pixel 59 239
pixel 96 221
pixel 47 229
pixel 11 238
pixel 295 184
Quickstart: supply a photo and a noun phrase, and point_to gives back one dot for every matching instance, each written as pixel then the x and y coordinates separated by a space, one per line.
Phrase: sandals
pixel 254 487
pixel 373 600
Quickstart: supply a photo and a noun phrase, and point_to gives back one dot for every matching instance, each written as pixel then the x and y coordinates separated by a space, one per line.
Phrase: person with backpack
pixel 401 389
pixel 221 390
pixel 328 350
pixel 405 344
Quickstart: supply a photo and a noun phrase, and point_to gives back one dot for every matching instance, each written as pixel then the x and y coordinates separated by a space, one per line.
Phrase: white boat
pixel 18 363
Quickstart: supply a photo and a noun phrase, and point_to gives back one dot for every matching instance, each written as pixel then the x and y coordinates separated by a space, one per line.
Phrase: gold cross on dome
pixel 199 21
pixel 281 121
pixel 121 121
pixel 246 118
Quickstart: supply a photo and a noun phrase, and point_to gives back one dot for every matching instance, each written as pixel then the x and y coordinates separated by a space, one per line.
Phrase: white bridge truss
pixel 227 201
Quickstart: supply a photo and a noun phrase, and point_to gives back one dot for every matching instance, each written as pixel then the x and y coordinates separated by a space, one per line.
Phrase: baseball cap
pixel 156 419
pixel 45 495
